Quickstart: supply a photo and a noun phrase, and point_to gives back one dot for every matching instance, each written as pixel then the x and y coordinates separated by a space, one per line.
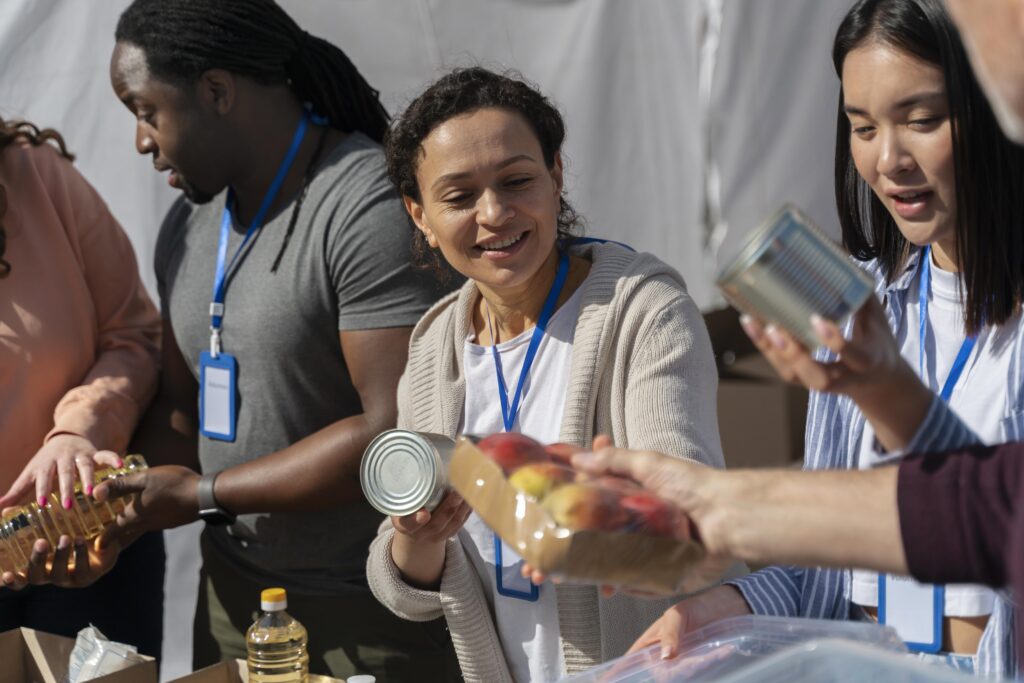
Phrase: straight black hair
pixel 255 38
pixel 988 168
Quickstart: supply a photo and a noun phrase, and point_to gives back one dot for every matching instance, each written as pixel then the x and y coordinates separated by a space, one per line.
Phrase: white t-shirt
pixel 978 398
pixel 529 631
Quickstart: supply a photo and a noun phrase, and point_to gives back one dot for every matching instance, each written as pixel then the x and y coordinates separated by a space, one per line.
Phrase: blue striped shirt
pixel 834 430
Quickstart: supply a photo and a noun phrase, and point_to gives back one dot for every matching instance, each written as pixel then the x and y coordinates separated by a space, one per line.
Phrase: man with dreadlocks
pixel 273 137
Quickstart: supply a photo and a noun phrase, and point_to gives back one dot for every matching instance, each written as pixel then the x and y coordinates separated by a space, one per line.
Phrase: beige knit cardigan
pixel 642 371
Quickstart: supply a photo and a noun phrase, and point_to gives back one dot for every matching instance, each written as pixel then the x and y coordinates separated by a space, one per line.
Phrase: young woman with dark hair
pixel 79 346
pixel 477 159
pixel 928 194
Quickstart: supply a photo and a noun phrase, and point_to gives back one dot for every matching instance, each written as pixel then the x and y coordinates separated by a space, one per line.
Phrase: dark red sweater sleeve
pixel 957 514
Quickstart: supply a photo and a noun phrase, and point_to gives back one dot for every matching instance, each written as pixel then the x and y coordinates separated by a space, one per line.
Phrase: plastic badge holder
pixel 732 645
pixel 837 661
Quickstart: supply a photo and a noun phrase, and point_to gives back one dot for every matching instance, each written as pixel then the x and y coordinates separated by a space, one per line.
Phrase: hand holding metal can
pixel 789 270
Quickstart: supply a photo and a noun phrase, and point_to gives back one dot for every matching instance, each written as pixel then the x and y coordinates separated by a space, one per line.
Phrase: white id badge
pixel 218 387
pixel 913 609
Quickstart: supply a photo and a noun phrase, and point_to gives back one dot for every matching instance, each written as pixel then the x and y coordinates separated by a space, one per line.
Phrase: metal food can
pixel 788 270
pixel 404 471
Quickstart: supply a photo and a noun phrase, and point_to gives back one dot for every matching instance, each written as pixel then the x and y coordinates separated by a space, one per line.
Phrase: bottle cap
pixel 273 599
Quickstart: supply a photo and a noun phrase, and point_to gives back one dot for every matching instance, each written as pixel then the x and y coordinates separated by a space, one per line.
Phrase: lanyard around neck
pixel 965 349
pixel 223 266
pixel 509 413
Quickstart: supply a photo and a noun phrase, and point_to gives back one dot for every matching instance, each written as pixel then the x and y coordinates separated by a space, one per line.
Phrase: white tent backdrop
pixel 689 120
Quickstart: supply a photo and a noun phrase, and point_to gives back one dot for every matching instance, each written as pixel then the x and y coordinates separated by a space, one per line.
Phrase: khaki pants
pixel 352 634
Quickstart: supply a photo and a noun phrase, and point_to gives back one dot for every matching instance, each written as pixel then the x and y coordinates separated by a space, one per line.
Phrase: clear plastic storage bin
pixel 837 661
pixel 731 645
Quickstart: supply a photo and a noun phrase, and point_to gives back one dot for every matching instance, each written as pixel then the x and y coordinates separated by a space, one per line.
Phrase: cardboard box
pixel 236 672
pixel 760 417
pixel 29 656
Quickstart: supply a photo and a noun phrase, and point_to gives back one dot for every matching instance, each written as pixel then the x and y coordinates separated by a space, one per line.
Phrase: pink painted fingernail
pixel 42 501
pixel 67 503
pixel 120 463
pixel 88 489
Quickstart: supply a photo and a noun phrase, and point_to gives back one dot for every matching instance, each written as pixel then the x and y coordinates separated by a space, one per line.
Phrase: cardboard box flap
pixel 55 651
pixel 30 656
pixel 236 672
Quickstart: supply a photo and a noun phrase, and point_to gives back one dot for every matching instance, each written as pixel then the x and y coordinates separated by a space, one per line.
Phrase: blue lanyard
pixel 223 266
pixel 508 414
pixel 965 349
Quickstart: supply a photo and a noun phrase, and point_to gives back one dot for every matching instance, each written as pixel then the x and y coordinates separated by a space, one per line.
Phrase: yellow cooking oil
pixel 277 643
pixel 21 527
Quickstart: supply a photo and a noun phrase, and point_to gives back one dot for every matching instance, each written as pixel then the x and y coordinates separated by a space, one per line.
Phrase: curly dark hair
pixel 463 91
pixel 12 132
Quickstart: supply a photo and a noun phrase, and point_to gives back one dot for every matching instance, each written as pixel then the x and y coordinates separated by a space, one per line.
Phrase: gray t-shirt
pixel 347 266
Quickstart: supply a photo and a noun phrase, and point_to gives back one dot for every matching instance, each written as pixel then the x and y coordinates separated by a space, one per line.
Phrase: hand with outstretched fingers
pixel 66 455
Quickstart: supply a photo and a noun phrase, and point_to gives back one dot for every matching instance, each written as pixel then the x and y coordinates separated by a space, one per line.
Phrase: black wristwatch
pixel 209 511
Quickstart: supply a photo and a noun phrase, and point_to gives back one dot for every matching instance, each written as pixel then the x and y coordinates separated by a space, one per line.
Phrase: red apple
pixel 582 506
pixel 655 516
pixel 511 451
pixel 538 479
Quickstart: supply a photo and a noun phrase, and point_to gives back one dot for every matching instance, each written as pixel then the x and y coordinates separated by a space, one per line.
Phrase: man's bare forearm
pixel 834 518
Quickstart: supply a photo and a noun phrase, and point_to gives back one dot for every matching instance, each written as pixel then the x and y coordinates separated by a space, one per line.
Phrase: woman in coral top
pixel 79 344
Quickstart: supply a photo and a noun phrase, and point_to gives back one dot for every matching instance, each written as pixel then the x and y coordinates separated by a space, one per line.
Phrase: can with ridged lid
pixel 403 471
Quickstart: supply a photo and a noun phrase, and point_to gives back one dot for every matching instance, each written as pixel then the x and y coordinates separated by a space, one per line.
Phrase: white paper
pixel 910 608
pixel 217 400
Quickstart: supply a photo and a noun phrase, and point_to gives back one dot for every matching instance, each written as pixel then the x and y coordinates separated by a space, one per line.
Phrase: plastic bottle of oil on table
pixel 277 643
pixel 21 527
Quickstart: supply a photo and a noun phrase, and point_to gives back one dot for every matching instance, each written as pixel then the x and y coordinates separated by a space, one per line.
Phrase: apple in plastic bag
pixel 583 506
pixel 511 451
pixel 538 479
pixel 656 516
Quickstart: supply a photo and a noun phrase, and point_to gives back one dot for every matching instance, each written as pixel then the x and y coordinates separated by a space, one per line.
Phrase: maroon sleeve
pixel 957 513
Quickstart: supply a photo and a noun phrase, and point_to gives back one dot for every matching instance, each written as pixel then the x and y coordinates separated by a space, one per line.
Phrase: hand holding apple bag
pixel 596 528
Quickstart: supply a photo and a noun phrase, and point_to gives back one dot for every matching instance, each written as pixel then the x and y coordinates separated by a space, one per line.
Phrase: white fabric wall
pixel 653 160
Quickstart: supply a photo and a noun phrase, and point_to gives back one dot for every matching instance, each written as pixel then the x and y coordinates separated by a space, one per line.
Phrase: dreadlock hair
pixel 182 39
pixel 988 169
pixel 12 132
pixel 463 91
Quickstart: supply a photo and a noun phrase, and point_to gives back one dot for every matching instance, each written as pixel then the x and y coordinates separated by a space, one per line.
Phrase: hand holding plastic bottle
pixel 67 456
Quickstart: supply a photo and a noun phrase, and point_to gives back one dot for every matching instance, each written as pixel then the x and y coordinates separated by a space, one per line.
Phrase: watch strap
pixel 209 510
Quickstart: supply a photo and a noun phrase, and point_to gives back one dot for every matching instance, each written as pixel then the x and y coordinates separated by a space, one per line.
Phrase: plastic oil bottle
pixel 21 527
pixel 277 643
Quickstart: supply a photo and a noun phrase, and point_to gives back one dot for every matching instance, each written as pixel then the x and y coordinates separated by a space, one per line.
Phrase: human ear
pixel 216 89
pixel 415 211
pixel 556 172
